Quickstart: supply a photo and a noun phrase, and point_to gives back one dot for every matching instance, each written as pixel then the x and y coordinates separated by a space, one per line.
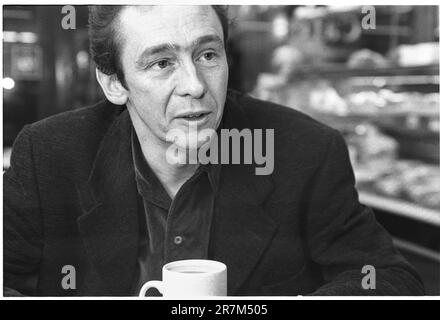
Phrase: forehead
pixel 142 26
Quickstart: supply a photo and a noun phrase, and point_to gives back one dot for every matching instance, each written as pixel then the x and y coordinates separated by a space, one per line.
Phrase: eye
pixel 209 55
pixel 162 64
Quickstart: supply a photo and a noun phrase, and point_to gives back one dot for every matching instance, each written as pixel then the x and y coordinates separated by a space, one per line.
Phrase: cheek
pixel 151 98
pixel 217 80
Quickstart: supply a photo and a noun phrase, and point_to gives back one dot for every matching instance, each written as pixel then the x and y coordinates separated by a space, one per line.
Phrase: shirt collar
pixel 148 184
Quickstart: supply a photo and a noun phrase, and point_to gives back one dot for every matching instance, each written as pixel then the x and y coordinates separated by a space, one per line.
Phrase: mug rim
pixel 219 266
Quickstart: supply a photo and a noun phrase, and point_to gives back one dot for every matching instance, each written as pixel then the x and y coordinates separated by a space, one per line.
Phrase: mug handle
pixel 151 284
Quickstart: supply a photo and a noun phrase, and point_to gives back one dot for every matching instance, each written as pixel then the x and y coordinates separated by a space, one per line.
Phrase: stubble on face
pixel 158 97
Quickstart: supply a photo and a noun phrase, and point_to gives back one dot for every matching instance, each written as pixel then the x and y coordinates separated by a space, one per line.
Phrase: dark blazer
pixel 70 199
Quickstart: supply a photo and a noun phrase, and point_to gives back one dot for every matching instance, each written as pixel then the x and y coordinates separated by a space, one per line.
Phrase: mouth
pixel 194 116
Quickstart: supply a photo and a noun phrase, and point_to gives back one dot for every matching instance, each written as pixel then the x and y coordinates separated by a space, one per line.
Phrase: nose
pixel 190 82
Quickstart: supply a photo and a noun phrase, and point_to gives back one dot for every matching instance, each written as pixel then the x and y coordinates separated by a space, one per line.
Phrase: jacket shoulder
pixel 301 143
pixel 73 122
pixel 285 120
pixel 71 139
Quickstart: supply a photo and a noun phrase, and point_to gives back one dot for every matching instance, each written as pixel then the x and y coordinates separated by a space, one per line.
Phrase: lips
pixel 193 115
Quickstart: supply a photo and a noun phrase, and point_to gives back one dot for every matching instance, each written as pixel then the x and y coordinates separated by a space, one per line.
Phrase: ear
pixel 112 87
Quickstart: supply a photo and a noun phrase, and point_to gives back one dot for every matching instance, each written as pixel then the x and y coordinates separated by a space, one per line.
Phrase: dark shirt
pixel 175 229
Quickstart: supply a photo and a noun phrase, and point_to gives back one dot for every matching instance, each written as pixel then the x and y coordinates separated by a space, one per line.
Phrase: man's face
pixel 175 67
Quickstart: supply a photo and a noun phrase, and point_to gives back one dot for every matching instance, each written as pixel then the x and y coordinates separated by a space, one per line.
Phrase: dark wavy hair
pixel 105 40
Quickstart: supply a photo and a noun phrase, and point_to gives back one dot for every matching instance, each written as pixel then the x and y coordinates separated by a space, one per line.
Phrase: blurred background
pixel 378 86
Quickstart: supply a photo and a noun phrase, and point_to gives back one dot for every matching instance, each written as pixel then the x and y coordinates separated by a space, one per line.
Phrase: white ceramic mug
pixel 190 278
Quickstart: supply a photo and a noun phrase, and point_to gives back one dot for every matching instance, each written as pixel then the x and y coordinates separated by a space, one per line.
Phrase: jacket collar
pixel 241 229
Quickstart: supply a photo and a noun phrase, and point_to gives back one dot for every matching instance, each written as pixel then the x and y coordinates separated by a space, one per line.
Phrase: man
pixel 92 189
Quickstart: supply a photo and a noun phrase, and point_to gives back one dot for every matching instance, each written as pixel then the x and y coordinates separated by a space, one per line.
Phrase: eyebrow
pixel 169 46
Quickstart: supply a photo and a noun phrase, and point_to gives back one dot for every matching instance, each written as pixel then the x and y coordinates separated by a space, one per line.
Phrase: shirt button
pixel 178 240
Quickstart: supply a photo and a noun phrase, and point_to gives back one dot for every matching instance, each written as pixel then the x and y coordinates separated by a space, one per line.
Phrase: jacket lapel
pixel 241 229
pixel 109 224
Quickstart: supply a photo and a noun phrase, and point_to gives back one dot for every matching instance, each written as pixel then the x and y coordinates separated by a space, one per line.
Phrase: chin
pixel 195 144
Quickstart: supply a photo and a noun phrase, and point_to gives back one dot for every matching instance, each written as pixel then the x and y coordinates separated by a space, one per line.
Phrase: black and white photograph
pixel 216 151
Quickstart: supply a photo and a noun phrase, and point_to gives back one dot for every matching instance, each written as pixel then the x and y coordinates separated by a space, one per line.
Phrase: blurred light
pixel 10 36
pixel 309 12
pixel 82 59
pixel 8 83
pixel 24 37
pixel 342 8
pixel 28 37
pixel 280 26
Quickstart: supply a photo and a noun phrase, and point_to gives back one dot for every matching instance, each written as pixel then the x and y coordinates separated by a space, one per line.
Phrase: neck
pixel 172 176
